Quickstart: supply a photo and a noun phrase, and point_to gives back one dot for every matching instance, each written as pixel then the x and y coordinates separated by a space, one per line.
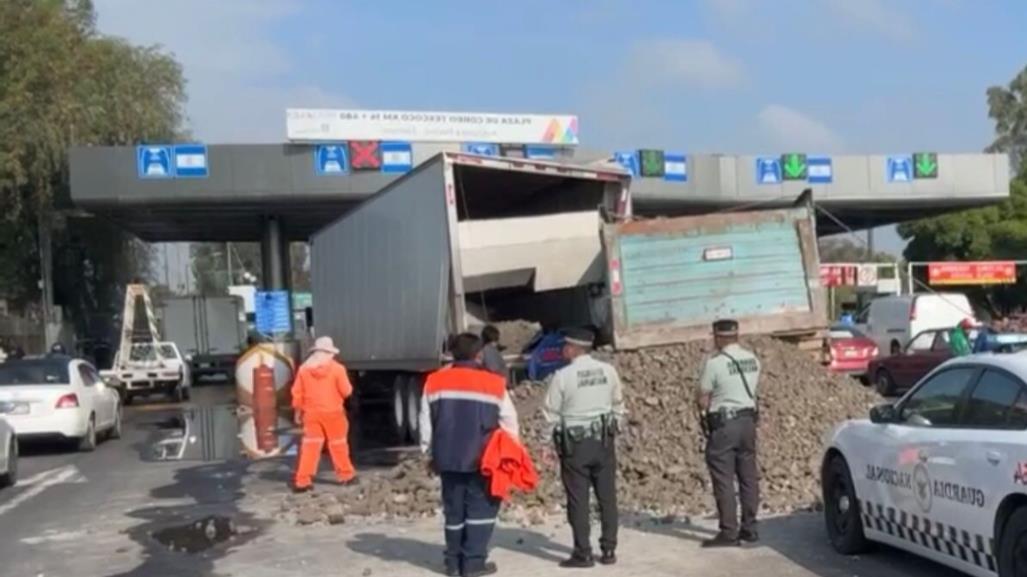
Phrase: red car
pixel 849 351
pixel 897 373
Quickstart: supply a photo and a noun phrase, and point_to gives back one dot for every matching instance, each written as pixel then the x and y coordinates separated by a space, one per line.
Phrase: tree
pixel 210 266
pixel 1007 106
pixel 62 84
pixel 839 249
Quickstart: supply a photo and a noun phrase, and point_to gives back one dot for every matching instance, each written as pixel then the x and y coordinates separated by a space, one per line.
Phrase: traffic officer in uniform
pixel 728 407
pixel 584 404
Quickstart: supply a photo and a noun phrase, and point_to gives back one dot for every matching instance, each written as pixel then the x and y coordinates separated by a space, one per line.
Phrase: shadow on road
pixel 801 538
pixel 428 556
pixel 187 539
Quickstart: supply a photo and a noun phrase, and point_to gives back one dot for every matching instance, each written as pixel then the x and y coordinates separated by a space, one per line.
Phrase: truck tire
pixel 414 390
pixel 399 407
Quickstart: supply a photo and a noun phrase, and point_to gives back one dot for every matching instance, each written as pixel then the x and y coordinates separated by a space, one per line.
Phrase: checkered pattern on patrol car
pixel 934 535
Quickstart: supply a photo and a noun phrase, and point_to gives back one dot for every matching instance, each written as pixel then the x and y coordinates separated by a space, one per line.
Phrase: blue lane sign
pixel 154 161
pixel 536 152
pixel 628 161
pixel 191 161
pixel 272 312
pixel 331 159
pixel 768 170
pixel 397 157
pixel 675 167
pixel 481 148
pixel 819 170
pixel 900 168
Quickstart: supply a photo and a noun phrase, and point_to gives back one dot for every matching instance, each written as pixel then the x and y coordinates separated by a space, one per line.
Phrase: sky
pixel 704 76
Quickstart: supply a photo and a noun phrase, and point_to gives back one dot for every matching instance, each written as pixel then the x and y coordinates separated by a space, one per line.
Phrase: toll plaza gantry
pixel 277 193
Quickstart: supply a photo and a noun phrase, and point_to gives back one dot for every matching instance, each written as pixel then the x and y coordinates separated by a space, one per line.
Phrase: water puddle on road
pixel 197 536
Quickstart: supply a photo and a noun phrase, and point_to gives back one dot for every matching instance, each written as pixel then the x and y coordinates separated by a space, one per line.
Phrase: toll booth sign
pixel 154 161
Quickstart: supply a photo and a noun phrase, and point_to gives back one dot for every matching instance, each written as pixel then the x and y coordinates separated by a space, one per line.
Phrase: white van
pixel 891 321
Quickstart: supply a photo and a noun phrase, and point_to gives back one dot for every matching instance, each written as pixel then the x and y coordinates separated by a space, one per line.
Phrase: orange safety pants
pixel 317 427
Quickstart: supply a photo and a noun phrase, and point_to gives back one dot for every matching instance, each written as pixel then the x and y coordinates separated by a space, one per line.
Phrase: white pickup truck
pixel 152 368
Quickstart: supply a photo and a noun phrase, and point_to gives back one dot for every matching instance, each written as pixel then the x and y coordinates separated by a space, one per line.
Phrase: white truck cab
pixel 153 368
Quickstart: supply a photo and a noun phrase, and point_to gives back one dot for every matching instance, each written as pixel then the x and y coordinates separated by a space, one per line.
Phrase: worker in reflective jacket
pixel 318 394
pixel 462 405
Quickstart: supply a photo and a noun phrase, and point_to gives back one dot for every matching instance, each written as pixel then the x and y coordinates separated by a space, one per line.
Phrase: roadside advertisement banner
pixel 971 273
pixel 311 125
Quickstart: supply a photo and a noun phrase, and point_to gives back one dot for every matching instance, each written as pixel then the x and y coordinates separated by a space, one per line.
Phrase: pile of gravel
pixel 661 468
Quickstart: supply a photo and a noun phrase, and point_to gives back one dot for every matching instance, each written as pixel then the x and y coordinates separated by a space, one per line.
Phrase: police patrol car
pixel 941 473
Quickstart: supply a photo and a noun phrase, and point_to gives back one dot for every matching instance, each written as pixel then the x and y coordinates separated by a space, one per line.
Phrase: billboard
pixel 971 273
pixel 309 125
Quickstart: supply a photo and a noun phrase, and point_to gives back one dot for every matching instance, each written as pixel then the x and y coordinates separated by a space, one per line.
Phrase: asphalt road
pixel 111 513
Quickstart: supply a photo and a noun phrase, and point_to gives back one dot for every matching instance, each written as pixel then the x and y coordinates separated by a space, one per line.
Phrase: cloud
pixel 883 17
pixel 691 62
pixel 789 129
pixel 238 76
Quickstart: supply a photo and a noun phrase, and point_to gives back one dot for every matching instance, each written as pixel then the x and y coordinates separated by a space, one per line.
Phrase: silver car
pixel 8 454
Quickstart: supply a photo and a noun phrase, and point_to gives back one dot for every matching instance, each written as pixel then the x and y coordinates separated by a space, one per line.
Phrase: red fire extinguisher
pixel 265 411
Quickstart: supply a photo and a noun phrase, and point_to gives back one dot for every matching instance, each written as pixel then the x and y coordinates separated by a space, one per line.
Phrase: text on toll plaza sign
pixel 958 273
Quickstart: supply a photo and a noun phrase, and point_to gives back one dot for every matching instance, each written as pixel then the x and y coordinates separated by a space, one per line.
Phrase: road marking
pixel 53 537
pixel 41 482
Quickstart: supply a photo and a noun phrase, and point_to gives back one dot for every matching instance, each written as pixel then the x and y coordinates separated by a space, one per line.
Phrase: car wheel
pixel 10 477
pixel 115 432
pixel 88 441
pixel 187 393
pixel 1012 546
pixel 841 509
pixel 128 399
pixel 178 394
pixel 884 383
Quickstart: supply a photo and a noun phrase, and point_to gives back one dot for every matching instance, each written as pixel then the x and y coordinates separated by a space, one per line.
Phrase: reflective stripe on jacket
pixel 461 407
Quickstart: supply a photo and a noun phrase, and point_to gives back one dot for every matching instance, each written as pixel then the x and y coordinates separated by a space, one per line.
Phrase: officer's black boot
pixel 720 540
pixel 608 557
pixel 749 536
pixel 578 562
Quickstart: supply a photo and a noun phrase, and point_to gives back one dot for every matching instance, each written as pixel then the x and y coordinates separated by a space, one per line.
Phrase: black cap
pixel 579 337
pixel 725 328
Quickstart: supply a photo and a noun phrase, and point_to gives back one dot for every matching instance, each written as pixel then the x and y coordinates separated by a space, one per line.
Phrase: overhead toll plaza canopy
pixel 225 192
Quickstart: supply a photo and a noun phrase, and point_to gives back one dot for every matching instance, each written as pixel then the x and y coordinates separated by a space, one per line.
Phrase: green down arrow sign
pixel 925 165
pixel 794 166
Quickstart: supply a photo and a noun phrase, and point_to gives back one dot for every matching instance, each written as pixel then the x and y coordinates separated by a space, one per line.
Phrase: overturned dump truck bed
pixel 506 238
pixel 670 278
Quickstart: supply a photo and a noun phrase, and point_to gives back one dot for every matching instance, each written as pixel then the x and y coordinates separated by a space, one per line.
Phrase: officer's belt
pixel 724 415
pixel 593 430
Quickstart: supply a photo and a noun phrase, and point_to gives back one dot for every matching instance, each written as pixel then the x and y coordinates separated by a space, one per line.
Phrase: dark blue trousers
pixel 470 515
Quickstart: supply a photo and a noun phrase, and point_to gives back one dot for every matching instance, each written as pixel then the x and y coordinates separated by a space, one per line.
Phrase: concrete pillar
pixel 274 263
pixel 274 254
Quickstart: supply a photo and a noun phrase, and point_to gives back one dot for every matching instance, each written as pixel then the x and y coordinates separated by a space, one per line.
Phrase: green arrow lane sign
pixel 925 165
pixel 794 166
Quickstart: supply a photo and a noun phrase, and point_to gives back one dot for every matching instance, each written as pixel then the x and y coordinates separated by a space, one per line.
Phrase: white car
pixel 941 473
pixel 58 397
pixel 8 454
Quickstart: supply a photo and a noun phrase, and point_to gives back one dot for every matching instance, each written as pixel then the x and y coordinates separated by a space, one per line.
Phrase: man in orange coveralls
pixel 318 393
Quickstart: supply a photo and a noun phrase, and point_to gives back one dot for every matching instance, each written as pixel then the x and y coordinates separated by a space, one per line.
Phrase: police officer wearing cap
pixel 584 404
pixel 727 403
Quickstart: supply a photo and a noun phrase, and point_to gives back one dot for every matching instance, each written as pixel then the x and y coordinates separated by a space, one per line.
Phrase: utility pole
pixel 46 280
pixel 228 257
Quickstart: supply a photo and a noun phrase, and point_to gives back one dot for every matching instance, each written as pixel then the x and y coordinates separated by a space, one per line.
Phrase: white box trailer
pixel 463 238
